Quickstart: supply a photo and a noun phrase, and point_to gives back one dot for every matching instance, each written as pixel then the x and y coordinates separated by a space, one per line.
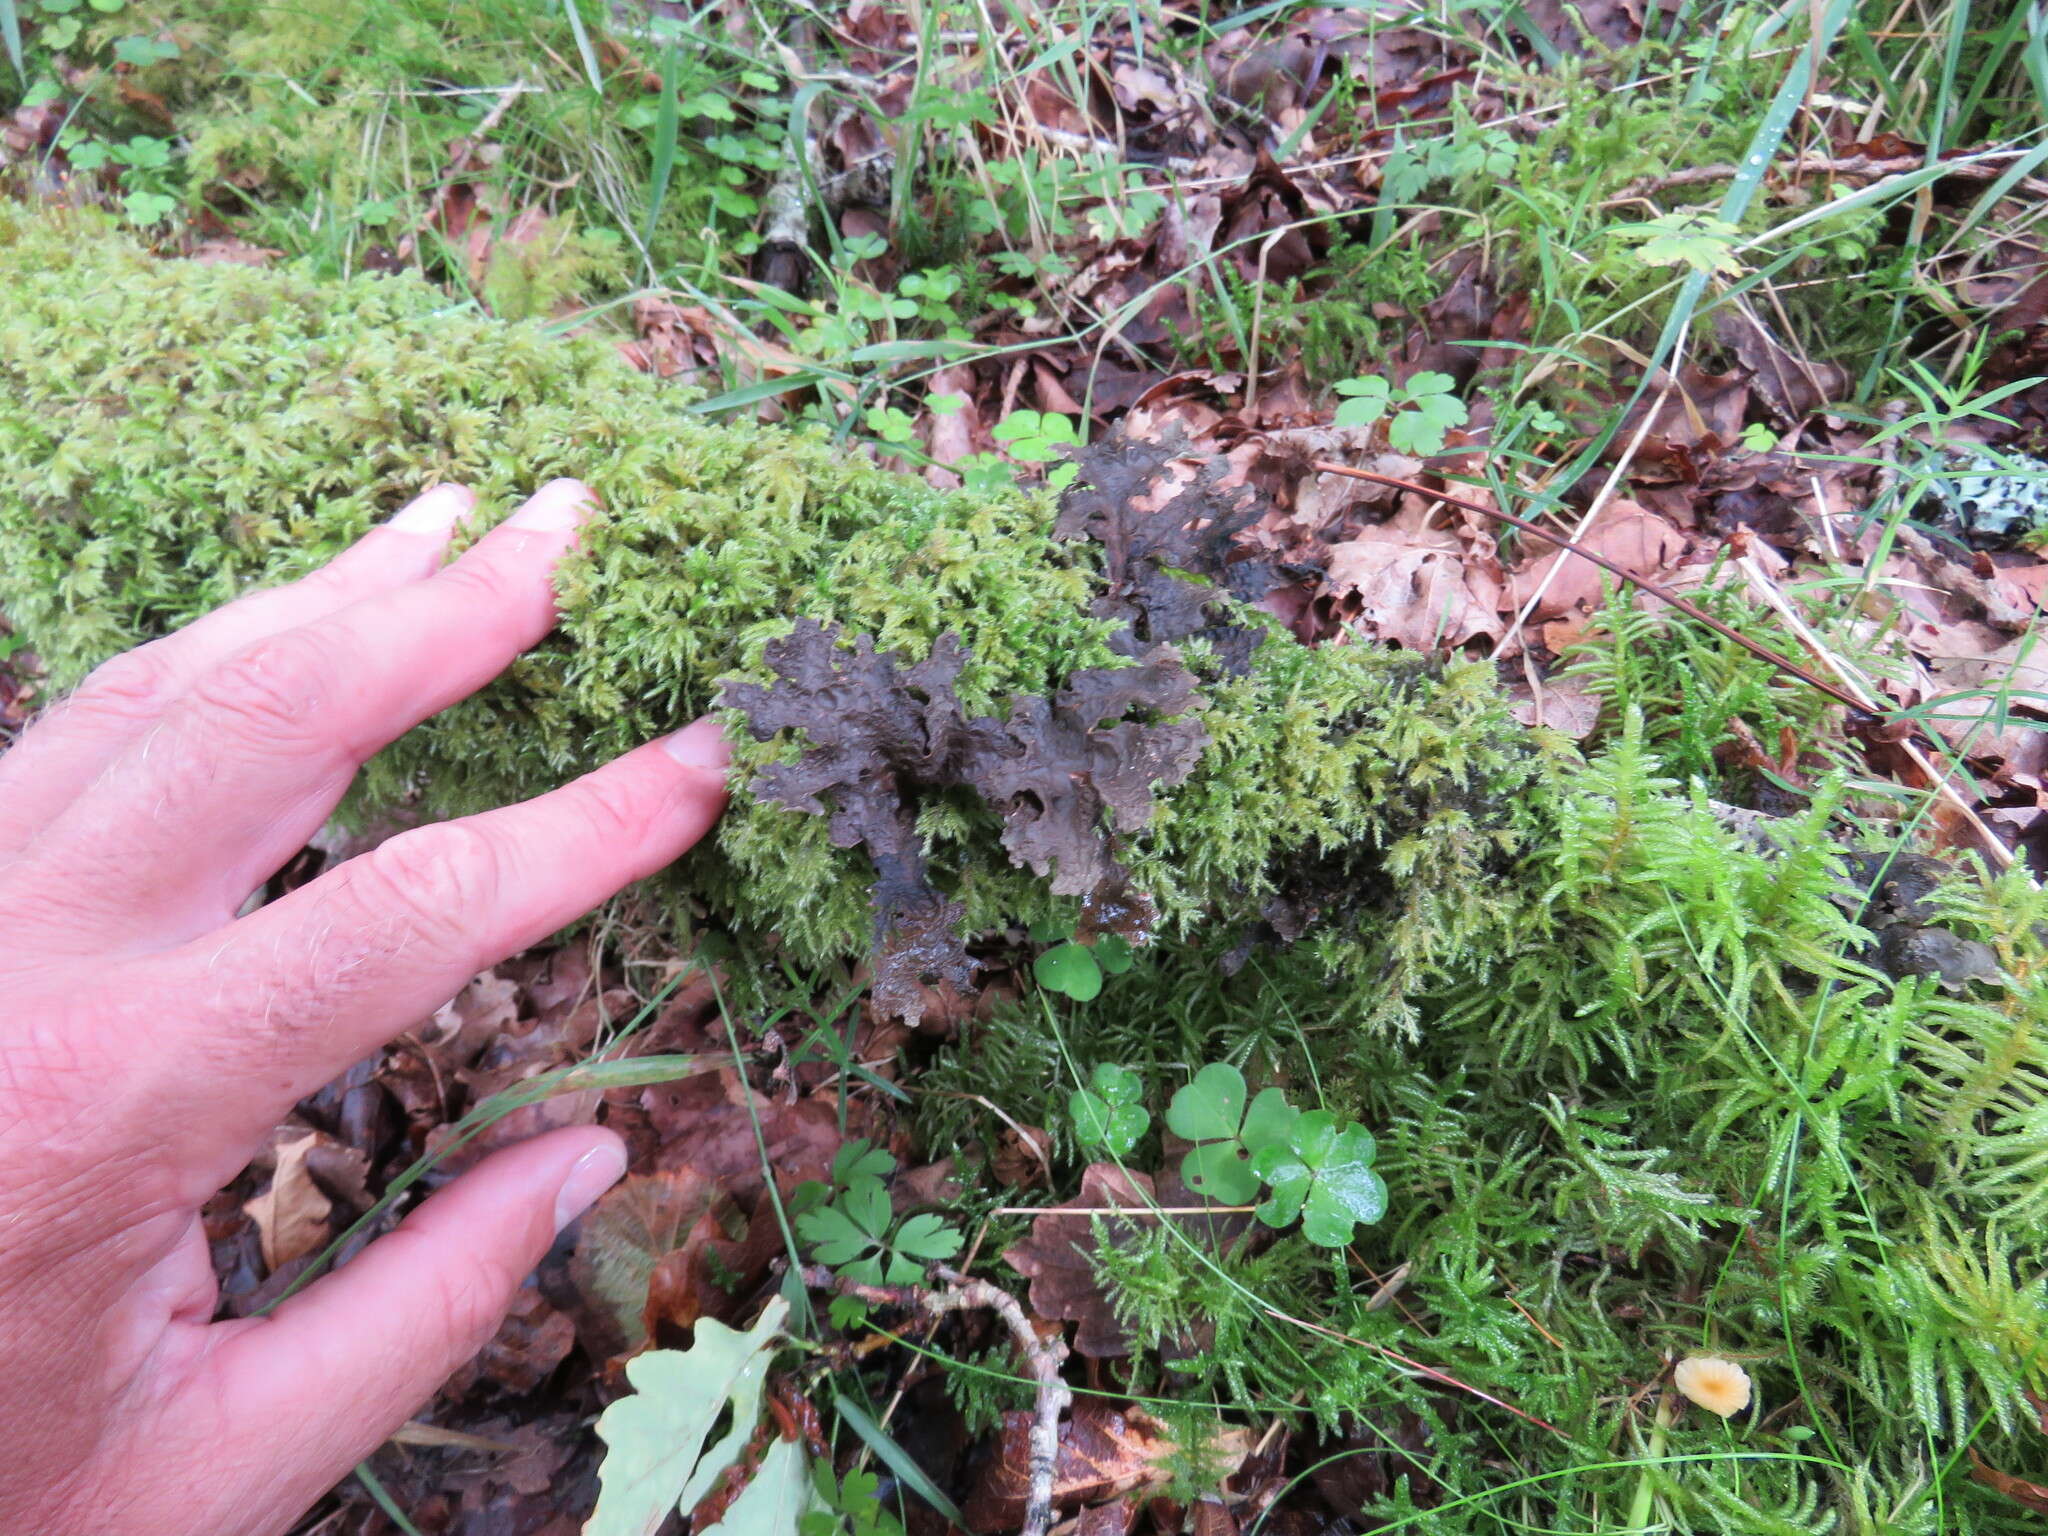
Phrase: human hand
pixel 150 1039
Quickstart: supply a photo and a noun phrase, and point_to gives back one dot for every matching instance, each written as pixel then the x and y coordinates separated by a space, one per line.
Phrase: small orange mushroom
pixel 1717 1385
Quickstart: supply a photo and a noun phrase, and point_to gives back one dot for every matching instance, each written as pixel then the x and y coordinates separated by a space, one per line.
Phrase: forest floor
pixel 1756 316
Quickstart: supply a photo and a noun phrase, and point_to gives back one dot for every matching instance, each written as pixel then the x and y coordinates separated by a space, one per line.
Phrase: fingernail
pixel 595 1172
pixel 434 513
pixel 557 505
pixel 699 745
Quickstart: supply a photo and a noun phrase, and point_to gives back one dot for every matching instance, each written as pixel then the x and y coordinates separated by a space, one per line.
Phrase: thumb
pixel 336 1369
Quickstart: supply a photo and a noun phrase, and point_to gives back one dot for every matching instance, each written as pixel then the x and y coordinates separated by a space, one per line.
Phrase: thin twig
pixel 1043 1356
pixel 1993 845
pixel 1664 594
pixel 1600 499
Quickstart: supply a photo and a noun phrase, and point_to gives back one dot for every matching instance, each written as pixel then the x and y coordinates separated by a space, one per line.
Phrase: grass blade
pixel 589 54
pixel 376 1489
pixel 898 1460
pixel 664 142
pixel 10 34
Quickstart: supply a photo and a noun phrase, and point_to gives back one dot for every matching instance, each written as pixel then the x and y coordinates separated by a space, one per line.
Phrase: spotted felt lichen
pixel 173 434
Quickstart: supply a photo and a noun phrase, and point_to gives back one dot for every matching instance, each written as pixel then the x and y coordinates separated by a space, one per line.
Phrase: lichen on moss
pixel 173 434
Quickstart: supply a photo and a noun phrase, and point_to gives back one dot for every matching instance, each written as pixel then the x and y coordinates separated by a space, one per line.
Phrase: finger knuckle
pixel 436 879
pixel 279 688
pixel 615 813
pixel 473 1297
pixel 136 686
pixel 485 581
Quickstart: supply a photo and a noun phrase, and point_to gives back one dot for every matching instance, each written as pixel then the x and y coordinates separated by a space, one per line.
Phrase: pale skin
pixel 150 1039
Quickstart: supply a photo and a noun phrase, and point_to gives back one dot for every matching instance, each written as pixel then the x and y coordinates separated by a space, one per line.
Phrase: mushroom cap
pixel 1717 1385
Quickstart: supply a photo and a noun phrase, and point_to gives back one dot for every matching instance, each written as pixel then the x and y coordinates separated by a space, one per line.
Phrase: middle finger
pixel 170 841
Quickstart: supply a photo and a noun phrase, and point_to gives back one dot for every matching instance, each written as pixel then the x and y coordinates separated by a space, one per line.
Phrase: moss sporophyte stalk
pixel 1635 1095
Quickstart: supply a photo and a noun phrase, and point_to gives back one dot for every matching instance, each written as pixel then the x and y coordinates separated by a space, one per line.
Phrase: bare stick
pixel 1043 1356
pixel 1690 609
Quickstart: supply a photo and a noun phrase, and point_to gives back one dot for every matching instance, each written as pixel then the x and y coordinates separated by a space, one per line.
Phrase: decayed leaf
pixel 530 1343
pixel 1414 588
pixel 1637 540
pixel 1105 1452
pixel 291 1215
pixel 1057 1257
pixel 2032 1495
pixel 627 1235
pixel 656 1461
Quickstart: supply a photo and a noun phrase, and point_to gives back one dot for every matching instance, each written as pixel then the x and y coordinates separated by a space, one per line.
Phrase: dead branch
pixel 1043 1356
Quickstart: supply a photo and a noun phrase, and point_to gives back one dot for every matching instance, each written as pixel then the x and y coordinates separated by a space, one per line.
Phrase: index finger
pixel 281 1000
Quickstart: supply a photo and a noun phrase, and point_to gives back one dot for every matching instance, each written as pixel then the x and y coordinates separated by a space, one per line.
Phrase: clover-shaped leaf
pixel 858 1160
pixel 1430 412
pixel 1113 953
pixel 1071 969
pixel 1210 1111
pixel 1322 1173
pixel 1107 1113
pixel 921 1240
pixel 1365 401
pixel 849 1233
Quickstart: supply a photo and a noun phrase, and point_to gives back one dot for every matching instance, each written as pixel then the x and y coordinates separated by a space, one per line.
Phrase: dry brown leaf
pixel 1637 540
pixel 291 1215
pixel 672 339
pixel 1411 584
pixel 2031 1495
pixel 238 253
pixel 1980 664
pixel 1105 1453
pixel 533 1339
pixel 1560 704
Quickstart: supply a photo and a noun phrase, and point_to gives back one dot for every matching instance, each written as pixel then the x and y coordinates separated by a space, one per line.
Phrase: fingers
pixel 310 1391
pixel 254 756
pixel 281 1000
pixel 69 748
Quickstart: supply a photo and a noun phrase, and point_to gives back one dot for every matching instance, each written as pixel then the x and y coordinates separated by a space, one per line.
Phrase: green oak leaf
pixel 656 1460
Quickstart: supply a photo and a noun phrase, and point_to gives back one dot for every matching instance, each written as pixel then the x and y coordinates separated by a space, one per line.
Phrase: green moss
pixel 174 434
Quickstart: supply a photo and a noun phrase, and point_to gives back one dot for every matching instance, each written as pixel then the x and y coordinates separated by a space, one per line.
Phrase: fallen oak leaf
pixel 291 1215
